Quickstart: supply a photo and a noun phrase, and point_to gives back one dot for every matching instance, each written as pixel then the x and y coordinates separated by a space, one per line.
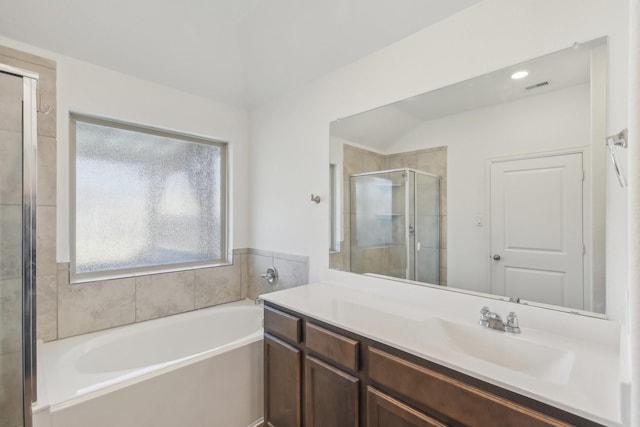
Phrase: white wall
pixel 290 136
pixel 89 89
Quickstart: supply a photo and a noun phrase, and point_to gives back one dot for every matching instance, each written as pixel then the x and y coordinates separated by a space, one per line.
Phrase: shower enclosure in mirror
pixel 521 160
pixel 395 224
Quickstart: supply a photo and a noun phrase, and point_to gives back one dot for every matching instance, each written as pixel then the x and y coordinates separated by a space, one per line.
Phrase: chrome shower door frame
pixel 29 211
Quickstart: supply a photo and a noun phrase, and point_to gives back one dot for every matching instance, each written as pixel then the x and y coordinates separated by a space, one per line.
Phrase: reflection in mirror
pixel 493 185
pixel 395 224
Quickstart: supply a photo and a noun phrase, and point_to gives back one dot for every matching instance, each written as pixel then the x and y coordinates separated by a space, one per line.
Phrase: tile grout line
pixel 135 300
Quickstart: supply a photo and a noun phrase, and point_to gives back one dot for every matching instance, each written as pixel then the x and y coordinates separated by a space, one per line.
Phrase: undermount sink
pixel 503 349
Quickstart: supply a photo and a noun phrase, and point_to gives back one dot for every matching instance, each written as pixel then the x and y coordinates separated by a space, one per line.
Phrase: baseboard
pixel 257 423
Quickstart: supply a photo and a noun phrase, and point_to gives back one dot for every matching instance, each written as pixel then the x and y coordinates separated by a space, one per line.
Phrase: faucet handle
pixel 512 325
pixel 271 275
pixel 484 316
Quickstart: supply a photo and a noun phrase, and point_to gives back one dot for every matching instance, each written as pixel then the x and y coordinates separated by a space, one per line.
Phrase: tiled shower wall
pixel 11 229
pixel 357 160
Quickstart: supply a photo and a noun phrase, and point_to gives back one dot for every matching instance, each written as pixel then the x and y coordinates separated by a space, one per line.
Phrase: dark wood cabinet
pixel 282 325
pixel 331 396
pixel 333 347
pixel 385 411
pixel 282 383
pixel 353 381
pixel 450 397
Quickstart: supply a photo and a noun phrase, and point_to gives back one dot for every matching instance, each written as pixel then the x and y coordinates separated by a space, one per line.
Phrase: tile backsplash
pixel 66 309
pixel 293 270
pixel 88 307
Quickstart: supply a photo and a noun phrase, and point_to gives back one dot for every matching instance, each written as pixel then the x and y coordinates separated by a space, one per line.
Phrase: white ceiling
pixel 242 52
pixel 380 128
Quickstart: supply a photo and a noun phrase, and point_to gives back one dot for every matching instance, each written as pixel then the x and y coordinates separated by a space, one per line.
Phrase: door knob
pixel 496 257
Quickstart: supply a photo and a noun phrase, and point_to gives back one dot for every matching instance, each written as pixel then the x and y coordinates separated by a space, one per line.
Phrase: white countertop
pixel 395 313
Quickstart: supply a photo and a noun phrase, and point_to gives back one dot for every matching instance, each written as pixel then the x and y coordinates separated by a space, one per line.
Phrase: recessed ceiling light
pixel 519 75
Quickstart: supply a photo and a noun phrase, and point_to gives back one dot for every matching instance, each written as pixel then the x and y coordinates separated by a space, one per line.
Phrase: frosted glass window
pixel 145 199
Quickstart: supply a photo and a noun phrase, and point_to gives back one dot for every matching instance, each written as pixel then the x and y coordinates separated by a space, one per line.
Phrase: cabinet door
pixel 331 396
pixel 385 411
pixel 282 384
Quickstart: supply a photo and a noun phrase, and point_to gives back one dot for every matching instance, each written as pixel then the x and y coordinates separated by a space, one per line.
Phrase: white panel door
pixel 536 229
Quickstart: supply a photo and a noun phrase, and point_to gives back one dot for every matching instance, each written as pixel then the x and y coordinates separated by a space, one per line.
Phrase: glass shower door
pixel 427 203
pixel 378 221
pixel 11 267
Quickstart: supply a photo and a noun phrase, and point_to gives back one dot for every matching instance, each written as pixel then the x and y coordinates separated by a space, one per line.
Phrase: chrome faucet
pixel 271 275
pixel 490 319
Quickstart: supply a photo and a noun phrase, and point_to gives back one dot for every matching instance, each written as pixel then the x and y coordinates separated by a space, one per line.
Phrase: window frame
pixel 225 246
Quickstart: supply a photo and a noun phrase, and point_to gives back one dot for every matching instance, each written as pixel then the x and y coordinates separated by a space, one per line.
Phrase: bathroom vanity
pixel 337 356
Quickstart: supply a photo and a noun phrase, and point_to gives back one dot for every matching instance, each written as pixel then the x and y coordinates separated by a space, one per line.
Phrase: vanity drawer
pixel 282 324
pixel 332 347
pixel 450 397
pixel 385 411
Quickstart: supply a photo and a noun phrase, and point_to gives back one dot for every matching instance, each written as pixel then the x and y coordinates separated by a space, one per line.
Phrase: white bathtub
pixel 202 368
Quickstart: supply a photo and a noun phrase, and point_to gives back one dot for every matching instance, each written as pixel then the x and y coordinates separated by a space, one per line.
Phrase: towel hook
pixel 39 109
pixel 620 139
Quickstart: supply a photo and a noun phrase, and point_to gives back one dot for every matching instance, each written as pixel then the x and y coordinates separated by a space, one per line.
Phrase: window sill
pixel 146 271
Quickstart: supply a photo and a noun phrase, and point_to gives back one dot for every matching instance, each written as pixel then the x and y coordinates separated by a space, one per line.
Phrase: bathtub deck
pixel 64 382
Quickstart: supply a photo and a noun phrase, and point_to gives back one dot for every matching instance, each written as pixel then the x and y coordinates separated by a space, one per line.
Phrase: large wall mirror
pixel 494 185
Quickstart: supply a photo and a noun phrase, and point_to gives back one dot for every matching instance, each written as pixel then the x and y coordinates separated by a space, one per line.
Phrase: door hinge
pixel 584 250
pixel 583 175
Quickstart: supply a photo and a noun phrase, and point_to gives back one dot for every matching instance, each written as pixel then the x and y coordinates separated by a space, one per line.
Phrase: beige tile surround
pixel 293 270
pixel 92 306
